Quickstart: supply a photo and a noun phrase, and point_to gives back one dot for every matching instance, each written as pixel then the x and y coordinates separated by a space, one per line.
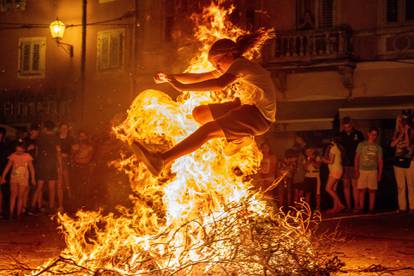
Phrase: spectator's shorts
pixel 239 121
pixel 335 173
pixel 349 173
pixel 368 180
pixel 46 171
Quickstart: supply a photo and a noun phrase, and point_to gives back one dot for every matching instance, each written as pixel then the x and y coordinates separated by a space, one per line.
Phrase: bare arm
pixel 380 166
pixel 194 77
pixel 207 85
pixel 330 159
pixel 395 139
pixel 6 171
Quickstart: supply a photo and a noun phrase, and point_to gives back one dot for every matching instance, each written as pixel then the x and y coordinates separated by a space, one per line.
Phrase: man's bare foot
pixel 152 160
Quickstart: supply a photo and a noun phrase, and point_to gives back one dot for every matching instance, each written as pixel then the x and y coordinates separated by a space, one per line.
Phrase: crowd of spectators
pixel 45 170
pixel 345 171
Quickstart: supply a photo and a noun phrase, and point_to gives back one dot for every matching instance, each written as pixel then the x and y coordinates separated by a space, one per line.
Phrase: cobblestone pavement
pixel 370 240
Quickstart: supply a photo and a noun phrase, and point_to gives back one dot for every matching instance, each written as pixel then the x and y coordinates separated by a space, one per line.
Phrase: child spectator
pixel 368 168
pixel 20 163
pixel 402 162
pixel 312 182
pixel 334 161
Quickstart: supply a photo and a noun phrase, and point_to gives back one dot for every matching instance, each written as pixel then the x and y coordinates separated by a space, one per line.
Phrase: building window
pixel 326 12
pixel 399 11
pixel 6 5
pixel 409 10
pixel 311 14
pixel 32 52
pixel 110 50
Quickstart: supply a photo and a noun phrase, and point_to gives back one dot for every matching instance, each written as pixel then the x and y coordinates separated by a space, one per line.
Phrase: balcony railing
pixel 308 45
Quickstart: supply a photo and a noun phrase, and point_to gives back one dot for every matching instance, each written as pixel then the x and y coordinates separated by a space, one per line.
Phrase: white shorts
pixel 368 180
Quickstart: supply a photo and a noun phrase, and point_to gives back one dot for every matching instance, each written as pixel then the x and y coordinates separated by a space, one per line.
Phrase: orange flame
pixel 190 215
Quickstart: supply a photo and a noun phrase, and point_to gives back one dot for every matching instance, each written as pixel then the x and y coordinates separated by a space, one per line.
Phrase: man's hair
pixel 3 131
pixel 49 125
pixel 373 129
pixel 243 43
pixel 346 120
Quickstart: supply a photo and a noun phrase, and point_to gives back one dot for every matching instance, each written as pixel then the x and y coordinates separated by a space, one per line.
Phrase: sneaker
pixel 235 146
pixel 152 160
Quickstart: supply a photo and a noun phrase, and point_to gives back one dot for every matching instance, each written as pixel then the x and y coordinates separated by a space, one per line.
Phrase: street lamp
pixel 57 30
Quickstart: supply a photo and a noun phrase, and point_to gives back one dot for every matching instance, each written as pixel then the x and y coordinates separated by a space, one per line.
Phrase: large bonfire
pixel 202 216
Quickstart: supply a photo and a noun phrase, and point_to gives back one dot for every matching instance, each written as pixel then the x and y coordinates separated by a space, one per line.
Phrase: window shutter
pixel 115 47
pixel 326 14
pixel 6 4
pixel 110 49
pixel 25 57
pixel 103 51
pixel 392 11
pixel 121 49
pixel 36 57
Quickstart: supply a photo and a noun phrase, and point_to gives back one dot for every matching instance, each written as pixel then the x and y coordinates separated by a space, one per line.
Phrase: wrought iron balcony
pixel 305 46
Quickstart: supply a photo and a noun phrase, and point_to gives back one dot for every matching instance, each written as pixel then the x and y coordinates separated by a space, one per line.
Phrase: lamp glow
pixel 57 29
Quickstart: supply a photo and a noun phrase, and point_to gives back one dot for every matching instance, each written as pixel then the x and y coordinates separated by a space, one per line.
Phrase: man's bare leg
pixel 156 161
pixel 194 141
pixel 355 191
pixel 347 192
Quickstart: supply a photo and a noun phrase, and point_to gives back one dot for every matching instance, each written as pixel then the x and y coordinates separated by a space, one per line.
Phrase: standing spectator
pixel 334 161
pixel 31 140
pixel 350 138
pixel 5 189
pixel 31 148
pixel 267 171
pixel 299 172
pixel 286 167
pixel 20 164
pixel 82 153
pixel 65 142
pixel 46 165
pixel 402 162
pixel 368 168
pixel 312 183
